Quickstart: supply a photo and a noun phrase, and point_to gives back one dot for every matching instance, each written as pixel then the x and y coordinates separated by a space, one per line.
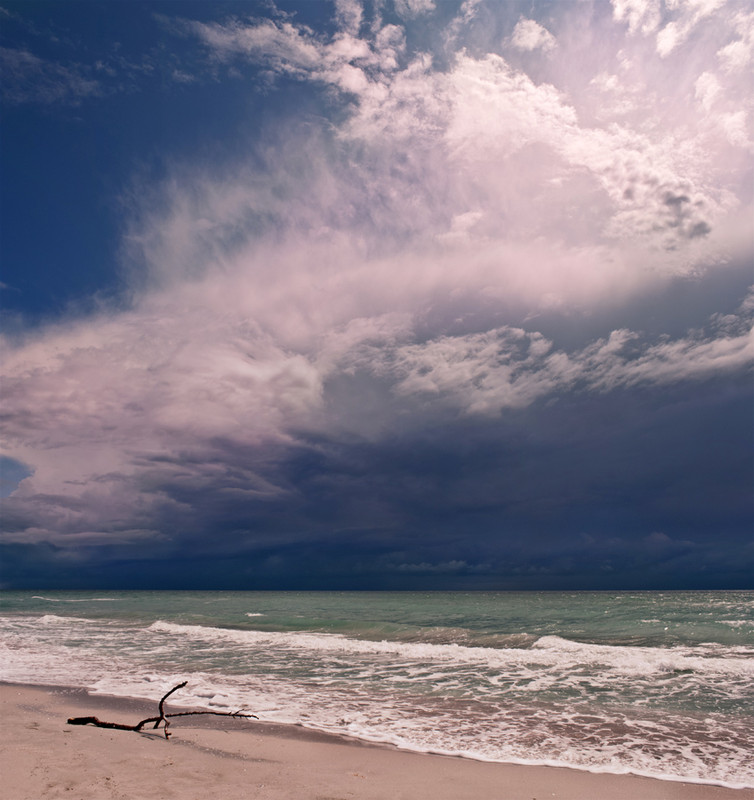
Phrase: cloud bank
pixel 362 345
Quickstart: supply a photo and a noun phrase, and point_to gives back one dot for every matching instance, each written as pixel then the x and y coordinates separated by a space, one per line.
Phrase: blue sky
pixel 387 295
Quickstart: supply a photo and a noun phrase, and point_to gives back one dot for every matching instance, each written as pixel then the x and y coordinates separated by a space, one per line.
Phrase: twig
pixel 163 717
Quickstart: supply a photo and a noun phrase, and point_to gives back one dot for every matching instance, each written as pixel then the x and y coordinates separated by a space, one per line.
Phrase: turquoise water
pixel 655 683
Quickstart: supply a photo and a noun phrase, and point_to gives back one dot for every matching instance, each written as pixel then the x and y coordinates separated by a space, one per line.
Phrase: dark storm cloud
pixel 619 491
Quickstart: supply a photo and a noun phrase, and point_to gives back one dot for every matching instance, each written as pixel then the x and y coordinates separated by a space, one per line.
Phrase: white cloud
pixel 507 367
pixel 481 112
pixel 735 125
pixel 482 138
pixel 109 409
pixel 672 22
pixel 530 35
pixel 279 44
pixel 349 14
pixel 707 90
pixel 737 55
pixel 413 8
pixel 643 15
pixel 689 14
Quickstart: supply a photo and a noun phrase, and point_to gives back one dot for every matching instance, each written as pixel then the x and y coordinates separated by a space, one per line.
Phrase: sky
pixel 402 294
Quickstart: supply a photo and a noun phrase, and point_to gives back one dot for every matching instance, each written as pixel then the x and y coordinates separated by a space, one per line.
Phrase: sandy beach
pixel 44 757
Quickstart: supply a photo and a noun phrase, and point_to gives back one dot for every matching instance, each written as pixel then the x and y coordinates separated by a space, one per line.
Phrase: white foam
pixel 551 651
pixel 539 704
pixel 74 600
pixel 54 619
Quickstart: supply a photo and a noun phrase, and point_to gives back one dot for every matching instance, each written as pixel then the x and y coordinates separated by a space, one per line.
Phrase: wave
pixel 339 643
pixel 541 735
pixel 659 711
pixel 536 735
pixel 546 651
pixel 74 600
pixel 54 619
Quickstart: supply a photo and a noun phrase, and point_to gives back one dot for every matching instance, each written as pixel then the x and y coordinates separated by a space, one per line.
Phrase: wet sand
pixel 41 756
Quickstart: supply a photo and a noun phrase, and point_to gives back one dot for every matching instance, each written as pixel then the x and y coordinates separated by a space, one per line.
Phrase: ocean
pixel 651 683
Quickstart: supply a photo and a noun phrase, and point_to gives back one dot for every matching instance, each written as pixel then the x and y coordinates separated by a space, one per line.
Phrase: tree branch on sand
pixel 163 717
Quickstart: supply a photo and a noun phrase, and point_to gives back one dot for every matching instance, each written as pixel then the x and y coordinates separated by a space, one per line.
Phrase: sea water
pixel 651 683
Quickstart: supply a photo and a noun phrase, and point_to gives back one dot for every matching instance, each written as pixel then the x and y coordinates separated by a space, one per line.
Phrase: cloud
pixel 416 256
pixel 530 35
pixel 689 14
pixel 30 79
pixel 643 15
pixel 503 368
pixel 413 8
pixel 671 21
pixel 472 121
pixel 123 419
pixel 452 567
pixel 737 55
pixel 349 14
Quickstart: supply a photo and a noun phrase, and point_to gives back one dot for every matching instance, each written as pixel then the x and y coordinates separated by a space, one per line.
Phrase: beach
pixel 44 757
pixel 652 685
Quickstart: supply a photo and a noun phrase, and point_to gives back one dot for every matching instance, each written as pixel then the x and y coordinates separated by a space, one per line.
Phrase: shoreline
pixel 235 759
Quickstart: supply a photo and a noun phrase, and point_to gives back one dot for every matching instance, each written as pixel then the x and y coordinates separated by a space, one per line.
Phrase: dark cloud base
pixel 317 569
pixel 623 491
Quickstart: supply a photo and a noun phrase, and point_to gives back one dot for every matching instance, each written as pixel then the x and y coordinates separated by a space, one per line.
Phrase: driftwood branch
pixel 163 717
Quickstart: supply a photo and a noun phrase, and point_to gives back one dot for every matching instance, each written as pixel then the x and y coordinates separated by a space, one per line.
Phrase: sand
pixel 41 756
